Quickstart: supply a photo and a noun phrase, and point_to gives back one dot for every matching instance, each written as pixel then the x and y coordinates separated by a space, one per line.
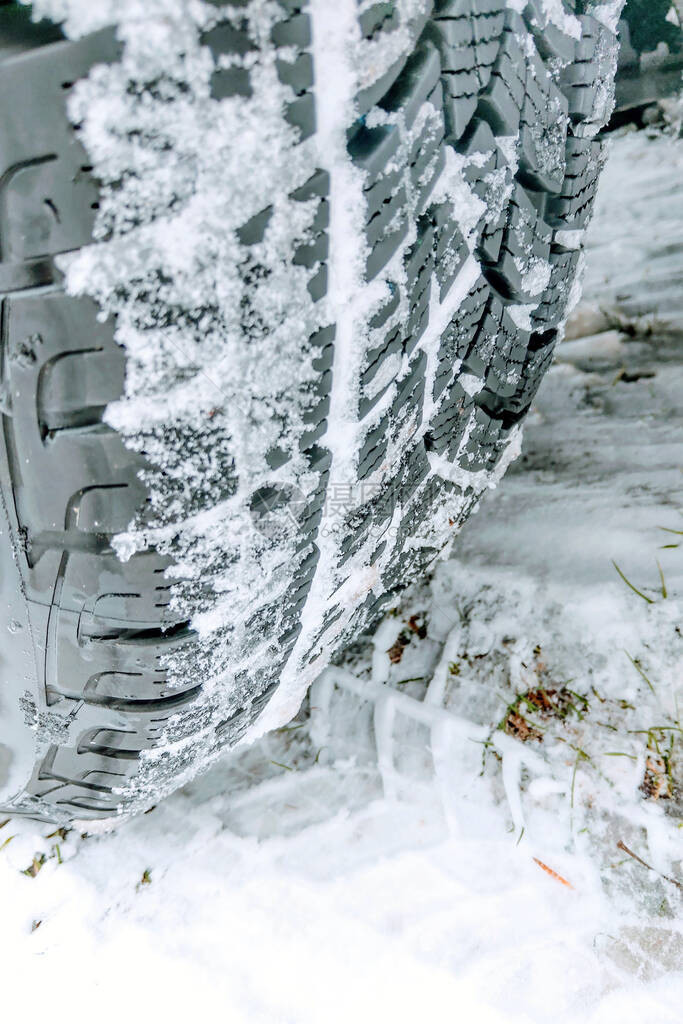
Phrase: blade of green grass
pixel 661 576
pixel 639 670
pixel 629 584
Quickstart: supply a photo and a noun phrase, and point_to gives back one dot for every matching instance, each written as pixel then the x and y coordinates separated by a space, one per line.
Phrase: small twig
pixel 621 845
pixel 553 874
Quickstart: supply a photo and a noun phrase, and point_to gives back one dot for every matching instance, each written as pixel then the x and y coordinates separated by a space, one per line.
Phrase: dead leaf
pixel 656 784
pixel 418 627
pixel 396 650
pixel 517 726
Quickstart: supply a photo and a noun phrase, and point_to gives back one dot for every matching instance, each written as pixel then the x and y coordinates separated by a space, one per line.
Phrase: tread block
pixel 543 133
pixel 381 16
pixel 555 299
pixel 449 424
pixel 75 387
pixel 457 339
pixel 490 177
pixel 468 38
pixel 538 358
pixel 571 208
pixel 523 269
pixel 48 196
pixel 418 79
pixel 551 41
pixel 588 83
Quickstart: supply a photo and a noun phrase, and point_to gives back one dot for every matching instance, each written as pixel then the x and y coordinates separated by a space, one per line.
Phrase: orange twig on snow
pixel 553 874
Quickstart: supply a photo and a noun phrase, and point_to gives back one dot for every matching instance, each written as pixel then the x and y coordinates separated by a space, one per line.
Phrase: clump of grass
pixel 59 833
pixel 36 864
pixel 146 879
pixel 658 780
pixel 552 702
pixel 656 784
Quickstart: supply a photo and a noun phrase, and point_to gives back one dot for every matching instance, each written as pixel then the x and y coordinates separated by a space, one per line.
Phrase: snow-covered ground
pixel 470 870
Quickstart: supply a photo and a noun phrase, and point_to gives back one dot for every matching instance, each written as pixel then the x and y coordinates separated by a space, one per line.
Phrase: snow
pixel 608 13
pixel 351 867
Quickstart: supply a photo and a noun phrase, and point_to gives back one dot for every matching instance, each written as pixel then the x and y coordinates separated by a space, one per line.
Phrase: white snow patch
pixel 520 314
pixel 570 239
pixel 608 13
pixel 536 276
